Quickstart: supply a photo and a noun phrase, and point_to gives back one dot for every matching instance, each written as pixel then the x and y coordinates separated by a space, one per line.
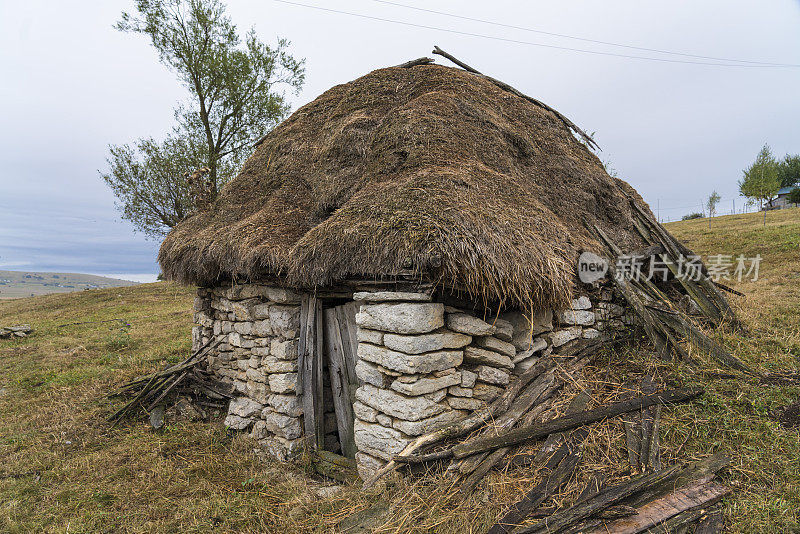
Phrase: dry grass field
pixel 64 469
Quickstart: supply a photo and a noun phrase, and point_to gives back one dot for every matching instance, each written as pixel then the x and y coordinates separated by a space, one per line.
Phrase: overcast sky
pixel 71 85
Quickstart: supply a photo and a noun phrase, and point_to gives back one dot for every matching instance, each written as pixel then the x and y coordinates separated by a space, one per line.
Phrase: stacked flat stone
pixel 22 330
pixel 587 318
pixel 407 361
pixel 423 365
pixel 259 328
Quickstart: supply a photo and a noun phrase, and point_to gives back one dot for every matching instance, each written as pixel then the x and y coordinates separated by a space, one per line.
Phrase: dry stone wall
pixel 259 329
pixel 424 364
pixel 421 364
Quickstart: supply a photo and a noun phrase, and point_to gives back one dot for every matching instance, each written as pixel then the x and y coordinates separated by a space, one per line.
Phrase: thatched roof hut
pixel 427 169
pixel 396 253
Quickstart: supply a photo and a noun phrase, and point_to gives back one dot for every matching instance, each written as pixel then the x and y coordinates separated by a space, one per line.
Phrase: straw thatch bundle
pixel 430 169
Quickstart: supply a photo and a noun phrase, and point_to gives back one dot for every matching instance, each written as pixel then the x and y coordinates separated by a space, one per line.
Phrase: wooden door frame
pixel 332 333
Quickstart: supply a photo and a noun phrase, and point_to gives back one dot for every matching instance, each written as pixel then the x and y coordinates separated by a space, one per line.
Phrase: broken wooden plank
pixel 693 496
pixel 711 523
pixel 696 472
pixel 554 441
pixel 560 424
pixel 537 392
pixel 632 424
pixel 675 249
pixel 600 501
pixel 561 466
pixel 523 411
pixel 701 471
pixel 468 424
pixel 649 442
pixel 311 372
pixel 695 335
pixel 346 316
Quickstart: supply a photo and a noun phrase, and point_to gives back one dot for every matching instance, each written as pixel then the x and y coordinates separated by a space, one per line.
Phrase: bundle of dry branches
pixel 160 388
pixel 664 322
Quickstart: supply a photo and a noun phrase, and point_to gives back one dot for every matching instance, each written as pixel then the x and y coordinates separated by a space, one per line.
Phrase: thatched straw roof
pixel 429 168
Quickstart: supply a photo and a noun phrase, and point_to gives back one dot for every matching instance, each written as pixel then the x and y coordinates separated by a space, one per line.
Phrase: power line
pixel 529 43
pixel 691 206
pixel 584 39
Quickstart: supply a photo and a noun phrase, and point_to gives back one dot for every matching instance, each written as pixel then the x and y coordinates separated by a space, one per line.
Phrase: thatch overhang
pixel 427 169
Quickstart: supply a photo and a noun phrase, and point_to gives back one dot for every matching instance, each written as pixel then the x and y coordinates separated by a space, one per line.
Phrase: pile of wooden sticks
pixel 186 378
pixel 513 418
pixel 682 495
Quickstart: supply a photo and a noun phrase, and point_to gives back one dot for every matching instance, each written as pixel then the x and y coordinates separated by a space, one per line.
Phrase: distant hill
pixel 17 284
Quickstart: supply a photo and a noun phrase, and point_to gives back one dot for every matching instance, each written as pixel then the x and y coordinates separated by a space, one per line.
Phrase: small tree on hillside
pixel 235 99
pixel 711 205
pixel 760 181
pixel 789 170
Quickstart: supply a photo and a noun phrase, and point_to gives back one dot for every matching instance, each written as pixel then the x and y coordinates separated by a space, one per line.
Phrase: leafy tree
pixel 150 179
pixel 794 196
pixel 711 205
pixel 690 216
pixel 760 181
pixel 789 170
pixel 236 87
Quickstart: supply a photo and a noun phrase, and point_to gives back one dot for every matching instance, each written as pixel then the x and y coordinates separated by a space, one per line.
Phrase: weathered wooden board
pixel 694 495
pixel 712 523
pixel 310 370
pixel 340 381
pixel 346 316
pixel 633 430
pixel 649 454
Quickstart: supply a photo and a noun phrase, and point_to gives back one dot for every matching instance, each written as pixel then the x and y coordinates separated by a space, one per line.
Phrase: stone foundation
pixel 421 364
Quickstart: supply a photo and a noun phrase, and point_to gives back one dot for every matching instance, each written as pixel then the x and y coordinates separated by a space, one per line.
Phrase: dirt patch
pixel 789 415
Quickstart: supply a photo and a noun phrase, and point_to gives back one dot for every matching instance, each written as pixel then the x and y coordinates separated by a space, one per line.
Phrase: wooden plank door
pixel 346 315
pixel 336 345
pixel 310 370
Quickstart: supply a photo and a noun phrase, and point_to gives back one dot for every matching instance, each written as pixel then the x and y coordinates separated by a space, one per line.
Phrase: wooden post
pixel 310 370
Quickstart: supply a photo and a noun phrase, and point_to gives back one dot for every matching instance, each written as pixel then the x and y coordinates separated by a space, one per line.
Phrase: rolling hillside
pixel 16 284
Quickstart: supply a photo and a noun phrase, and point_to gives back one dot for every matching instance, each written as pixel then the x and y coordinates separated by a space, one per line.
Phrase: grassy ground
pixel 734 417
pixel 63 469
